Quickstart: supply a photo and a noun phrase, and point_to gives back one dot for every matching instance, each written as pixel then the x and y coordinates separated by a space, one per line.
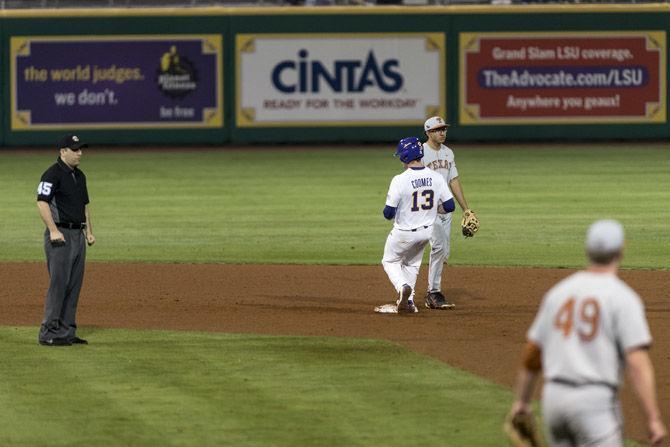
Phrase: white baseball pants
pixel 581 416
pixel 403 254
pixel 440 247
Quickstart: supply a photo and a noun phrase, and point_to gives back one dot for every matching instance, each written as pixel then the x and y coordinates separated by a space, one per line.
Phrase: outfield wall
pixel 249 75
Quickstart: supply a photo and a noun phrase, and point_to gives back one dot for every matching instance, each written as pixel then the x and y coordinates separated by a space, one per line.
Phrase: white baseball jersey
pixel 441 161
pixel 585 325
pixel 416 194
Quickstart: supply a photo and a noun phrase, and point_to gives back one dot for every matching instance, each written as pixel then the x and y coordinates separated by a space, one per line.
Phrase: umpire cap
pixel 72 142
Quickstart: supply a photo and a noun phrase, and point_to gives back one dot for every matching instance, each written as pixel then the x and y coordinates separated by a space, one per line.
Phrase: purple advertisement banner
pixel 116 82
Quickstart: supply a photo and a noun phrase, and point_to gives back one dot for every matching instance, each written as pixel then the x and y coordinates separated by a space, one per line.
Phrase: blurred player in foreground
pixel 590 327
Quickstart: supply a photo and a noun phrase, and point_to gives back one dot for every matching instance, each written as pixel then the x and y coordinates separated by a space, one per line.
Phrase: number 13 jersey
pixel 585 326
pixel 416 194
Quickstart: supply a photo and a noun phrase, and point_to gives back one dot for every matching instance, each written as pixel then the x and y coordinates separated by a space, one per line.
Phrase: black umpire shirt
pixel 64 188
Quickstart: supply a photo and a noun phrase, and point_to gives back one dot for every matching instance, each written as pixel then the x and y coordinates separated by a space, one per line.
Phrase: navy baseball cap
pixel 71 141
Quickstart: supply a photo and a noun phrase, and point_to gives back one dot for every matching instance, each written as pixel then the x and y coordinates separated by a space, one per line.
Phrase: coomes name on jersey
pixel 421 182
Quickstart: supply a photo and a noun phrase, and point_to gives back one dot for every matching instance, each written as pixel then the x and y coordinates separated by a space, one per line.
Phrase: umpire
pixel 62 200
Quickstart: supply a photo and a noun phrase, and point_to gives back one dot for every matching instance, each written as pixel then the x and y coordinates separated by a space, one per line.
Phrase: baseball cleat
pixel 78 341
pixel 411 308
pixel 57 341
pixel 405 303
pixel 435 300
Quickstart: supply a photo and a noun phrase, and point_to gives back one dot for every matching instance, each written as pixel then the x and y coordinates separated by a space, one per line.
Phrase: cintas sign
pixel 339 80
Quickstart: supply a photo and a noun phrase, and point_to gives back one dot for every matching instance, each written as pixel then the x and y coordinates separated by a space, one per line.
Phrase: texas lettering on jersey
pixel 441 161
pixel 439 164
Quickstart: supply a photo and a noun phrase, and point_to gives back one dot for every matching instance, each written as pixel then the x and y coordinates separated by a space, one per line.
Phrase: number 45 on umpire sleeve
pixel 44 188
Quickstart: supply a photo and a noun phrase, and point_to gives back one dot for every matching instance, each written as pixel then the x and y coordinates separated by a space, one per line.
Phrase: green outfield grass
pixel 185 389
pixel 324 206
pixel 151 388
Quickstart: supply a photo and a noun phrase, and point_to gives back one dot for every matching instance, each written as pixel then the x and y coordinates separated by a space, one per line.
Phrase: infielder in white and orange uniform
pixel 590 327
pixel 440 159
pixel 413 200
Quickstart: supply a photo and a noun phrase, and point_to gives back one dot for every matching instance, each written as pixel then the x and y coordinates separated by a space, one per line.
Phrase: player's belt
pixel 575 384
pixel 71 226
pixel 422 227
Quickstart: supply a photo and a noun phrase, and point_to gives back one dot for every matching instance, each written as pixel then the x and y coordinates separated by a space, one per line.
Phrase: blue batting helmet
pixel 409 149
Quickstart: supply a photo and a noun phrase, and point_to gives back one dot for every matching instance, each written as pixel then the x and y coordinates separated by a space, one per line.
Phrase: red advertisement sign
pixel 547 78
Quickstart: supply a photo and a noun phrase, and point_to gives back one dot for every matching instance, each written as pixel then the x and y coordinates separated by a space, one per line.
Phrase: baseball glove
pixel 521 430
pixel 469 223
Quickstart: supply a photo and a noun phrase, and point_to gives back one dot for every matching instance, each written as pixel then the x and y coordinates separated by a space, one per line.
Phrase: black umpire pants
pixel 65 263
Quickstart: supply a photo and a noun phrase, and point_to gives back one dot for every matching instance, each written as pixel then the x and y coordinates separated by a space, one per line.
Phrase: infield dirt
pixel 483 334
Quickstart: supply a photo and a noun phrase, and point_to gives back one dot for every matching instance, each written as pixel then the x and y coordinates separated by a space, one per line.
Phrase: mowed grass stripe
pixel 146 388
pixel 323 206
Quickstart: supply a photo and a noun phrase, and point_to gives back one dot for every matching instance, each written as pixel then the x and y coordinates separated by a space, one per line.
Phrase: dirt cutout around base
pixel 484 334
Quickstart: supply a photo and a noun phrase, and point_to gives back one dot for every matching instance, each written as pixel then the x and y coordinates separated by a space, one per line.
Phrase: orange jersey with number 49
pixel 585 325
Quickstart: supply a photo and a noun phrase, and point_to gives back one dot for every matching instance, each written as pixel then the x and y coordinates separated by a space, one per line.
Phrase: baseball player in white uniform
pixel 413 201
pixel 440 159
pixel 590 326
